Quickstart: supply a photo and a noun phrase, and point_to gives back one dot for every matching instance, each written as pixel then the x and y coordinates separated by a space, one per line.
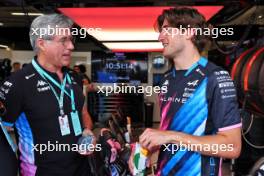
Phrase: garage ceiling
pixel 14 31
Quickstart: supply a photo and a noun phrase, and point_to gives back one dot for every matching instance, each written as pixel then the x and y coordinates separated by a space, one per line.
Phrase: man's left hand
pixel 88 132
pixel 153 138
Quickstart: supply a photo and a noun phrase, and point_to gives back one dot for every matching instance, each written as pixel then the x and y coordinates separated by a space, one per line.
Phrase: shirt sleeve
pixel 222 101
pixel 11 97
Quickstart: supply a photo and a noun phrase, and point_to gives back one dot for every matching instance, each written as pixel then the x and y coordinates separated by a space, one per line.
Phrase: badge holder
pixel 76 123
pixel 64 124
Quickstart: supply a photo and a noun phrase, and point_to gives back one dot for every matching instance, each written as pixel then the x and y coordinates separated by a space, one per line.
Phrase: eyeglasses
pixel 65 40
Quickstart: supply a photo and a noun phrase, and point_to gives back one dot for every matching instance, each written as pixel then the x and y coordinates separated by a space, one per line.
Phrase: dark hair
pixel 82 68
pixel 16 63
pixel 25 64
pixel 187 18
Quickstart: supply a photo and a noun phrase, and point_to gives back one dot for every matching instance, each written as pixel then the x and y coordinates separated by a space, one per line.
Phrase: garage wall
pixel 85 58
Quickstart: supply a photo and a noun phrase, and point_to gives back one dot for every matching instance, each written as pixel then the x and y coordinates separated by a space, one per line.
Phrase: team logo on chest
pixel 41 83
pixel 193 83
pixel 190 88
pixel 42 86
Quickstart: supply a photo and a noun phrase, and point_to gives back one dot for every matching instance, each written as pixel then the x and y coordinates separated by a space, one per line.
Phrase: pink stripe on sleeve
pixel 230 127
pixel 220 167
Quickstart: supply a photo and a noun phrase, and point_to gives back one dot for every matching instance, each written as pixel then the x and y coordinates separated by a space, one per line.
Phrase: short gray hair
pixel 44 22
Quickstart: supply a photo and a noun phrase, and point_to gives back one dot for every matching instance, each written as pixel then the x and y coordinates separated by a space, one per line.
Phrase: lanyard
pixel 46 76
pixel 60 100
pixel 72 94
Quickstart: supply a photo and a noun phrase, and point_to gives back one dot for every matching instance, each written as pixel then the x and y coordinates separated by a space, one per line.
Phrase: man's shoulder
pixel 215 70
pixel 216 73
pixel 14 85
pixel 25 73
pixel 212 68
pixel 219 79
pixel 20 78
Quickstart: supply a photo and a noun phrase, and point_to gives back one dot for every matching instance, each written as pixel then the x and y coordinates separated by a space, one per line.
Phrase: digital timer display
pixel 119 67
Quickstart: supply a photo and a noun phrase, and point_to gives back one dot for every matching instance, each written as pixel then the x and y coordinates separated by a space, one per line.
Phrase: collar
pixel 202 62
pixel 54 75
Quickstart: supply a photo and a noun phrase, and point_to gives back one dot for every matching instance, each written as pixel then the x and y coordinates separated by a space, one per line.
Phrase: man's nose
pixel 70 45
pixel 161 36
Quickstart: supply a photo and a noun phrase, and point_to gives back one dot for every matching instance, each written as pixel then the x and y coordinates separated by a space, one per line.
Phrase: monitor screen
pixel 158 62
pixel 119 67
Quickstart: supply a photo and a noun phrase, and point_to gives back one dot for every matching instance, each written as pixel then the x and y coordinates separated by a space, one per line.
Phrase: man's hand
pixel 88 132
pixel 151 139
pixel 230 139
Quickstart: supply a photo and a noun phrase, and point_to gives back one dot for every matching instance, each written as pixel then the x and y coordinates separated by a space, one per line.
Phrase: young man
pixel 199 112
pixel 46 104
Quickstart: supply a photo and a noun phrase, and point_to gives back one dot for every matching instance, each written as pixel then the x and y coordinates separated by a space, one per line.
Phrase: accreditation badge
pixel 64 125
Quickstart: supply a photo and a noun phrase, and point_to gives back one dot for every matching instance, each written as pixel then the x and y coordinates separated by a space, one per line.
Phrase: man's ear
pixel 190 34
pixel 40 43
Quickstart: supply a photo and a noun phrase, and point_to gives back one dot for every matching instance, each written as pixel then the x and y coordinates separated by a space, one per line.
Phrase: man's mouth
pixel 67 55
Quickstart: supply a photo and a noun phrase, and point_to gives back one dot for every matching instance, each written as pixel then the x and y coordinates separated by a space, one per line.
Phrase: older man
pixel 46 105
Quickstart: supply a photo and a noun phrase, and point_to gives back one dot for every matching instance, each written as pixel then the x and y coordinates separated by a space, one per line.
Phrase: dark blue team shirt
pixel 33 109
pixel 199 101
